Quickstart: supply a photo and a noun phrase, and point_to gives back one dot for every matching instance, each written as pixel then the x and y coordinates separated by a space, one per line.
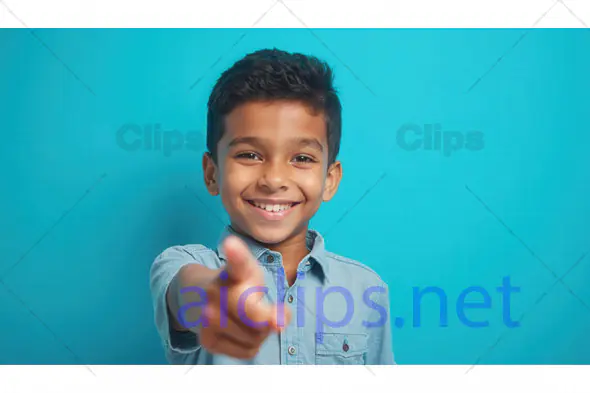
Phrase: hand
pixel 237 319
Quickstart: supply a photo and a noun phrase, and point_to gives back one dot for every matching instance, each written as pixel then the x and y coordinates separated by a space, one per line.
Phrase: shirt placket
pixel 291 338
pixel 295 337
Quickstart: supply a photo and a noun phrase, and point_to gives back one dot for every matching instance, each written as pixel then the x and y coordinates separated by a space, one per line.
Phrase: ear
pixel 332 181
pixel 210 174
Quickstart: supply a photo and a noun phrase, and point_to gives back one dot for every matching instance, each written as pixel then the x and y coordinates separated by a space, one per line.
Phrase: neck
pixel 293 250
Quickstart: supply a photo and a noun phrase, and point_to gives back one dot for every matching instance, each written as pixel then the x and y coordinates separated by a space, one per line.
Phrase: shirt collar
pixel 314 241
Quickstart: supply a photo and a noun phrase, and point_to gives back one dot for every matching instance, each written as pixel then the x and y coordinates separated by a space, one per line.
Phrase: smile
pixel 271 211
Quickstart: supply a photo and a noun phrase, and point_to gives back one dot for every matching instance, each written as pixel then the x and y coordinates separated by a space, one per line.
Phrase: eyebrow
pixel 256 141
pixel 311 142
pixel 247 140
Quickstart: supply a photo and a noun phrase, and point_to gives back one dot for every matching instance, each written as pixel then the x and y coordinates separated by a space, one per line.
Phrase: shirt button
pixel 345 347
pixel 290 299
pixel 270 259
pixel 307 263
pixel 292 350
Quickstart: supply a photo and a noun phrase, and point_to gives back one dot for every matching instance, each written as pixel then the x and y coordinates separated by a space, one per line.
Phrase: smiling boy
pixel 270 292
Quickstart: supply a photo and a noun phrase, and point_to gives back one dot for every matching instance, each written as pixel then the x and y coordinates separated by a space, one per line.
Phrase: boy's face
pixel 272 170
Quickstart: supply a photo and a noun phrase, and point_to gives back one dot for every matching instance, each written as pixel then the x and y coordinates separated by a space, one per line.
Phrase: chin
pixel 269 235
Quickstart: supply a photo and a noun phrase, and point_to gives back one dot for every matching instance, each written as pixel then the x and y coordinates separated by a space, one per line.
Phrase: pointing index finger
pixel 241 265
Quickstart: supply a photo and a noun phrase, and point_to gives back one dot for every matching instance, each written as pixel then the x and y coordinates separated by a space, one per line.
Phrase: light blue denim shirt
pixel 340 308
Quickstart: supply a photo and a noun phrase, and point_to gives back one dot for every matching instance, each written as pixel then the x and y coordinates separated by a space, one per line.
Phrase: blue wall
pixel 84 215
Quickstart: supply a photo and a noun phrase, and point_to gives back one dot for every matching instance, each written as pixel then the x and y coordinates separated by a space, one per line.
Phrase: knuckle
pixel 207 341
pixel 252 352
pixel 212 293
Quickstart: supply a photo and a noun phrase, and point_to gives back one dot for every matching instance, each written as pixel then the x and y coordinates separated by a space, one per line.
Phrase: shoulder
pixel 355 268
pixel 189 253
pixel 186 250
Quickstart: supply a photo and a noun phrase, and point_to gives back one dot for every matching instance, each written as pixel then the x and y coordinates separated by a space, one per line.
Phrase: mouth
pixel 272 211
pixel 273 207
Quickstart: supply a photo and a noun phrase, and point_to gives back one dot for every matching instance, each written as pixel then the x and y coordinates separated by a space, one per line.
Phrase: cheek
pixel 235 180
pixel 312 185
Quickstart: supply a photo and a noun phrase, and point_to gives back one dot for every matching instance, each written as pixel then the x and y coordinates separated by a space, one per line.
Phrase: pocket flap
pixel 342 344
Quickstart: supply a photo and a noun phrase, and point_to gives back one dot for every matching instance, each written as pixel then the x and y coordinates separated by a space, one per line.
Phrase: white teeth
pixel 272 208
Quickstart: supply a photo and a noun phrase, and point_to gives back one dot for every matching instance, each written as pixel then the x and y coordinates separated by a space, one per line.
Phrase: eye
pixel 248 156
pixel 304 159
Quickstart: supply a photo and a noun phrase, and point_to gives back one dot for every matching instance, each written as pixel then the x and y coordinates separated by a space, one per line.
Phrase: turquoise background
pixel 83 219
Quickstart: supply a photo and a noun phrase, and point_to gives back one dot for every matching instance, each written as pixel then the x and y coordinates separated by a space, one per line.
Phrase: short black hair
pixel 272 74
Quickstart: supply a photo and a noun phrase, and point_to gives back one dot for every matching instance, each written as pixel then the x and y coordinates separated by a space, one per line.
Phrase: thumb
pixel 280 316
pixel 241 265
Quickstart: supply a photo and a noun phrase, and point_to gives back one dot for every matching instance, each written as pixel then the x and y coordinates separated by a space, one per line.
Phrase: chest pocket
pixel 340 348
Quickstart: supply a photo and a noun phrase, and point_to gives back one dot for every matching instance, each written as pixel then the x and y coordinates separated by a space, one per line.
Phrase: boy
pixel 271 293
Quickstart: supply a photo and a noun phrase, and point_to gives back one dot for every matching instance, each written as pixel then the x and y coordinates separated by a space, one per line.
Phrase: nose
pixel 274 176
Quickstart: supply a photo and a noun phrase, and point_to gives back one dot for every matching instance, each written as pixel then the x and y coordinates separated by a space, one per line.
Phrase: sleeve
pixel 179 346
pixel 380 349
